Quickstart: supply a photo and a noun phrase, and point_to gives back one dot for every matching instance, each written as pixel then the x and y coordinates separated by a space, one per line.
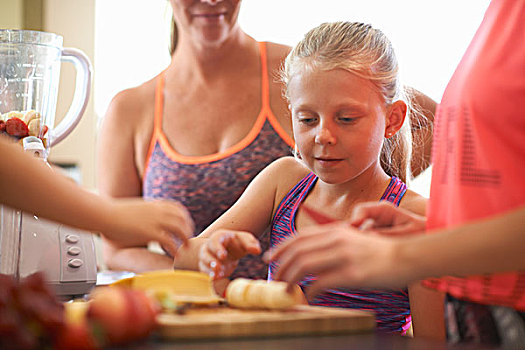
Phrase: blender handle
pixel 80 98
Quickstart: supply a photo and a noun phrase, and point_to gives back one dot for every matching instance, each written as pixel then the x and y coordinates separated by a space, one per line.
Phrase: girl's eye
pixel 347 119
pixel 306 119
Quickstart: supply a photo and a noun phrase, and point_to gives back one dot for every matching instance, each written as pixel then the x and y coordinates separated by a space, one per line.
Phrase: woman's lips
pixel 209 15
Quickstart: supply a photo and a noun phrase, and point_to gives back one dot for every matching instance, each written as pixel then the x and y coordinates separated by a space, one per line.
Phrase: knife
pixel 323 219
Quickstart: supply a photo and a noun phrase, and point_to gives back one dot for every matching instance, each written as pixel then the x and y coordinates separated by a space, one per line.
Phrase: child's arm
pixel 30 185
pixel 251 214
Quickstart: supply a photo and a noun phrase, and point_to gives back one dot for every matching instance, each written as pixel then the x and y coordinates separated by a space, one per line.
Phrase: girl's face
pixel 339 122
pixel 207 21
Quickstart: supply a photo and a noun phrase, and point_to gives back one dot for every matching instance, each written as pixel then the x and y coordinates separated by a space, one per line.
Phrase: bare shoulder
pixel 130 104
pixel 286 172
pixel 276 55
pixel 414 202
pixel 277 51
pixel 288 165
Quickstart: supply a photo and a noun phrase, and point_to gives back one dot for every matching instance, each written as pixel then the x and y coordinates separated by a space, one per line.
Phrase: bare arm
pixel 229 237
pixel 30 185
pixel 118 176
pixel 491 245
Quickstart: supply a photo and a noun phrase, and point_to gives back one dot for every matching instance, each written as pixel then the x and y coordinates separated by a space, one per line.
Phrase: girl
pixel 348 114
pixel 476 217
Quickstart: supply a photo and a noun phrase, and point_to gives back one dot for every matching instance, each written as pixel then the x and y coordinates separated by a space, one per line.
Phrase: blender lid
pixel 17 36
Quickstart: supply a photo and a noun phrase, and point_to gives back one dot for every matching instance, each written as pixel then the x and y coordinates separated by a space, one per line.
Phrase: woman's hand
pixel 134 222
pixel 387 219
pixel 340 256
pixel 219 256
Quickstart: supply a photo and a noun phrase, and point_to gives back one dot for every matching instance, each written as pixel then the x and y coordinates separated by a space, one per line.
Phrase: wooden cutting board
pixel 226 322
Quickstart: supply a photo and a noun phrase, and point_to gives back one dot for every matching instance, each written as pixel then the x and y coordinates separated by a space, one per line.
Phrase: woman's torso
pixel 208 184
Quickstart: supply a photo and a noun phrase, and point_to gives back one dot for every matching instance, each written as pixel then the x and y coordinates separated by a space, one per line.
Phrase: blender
pixel 29 77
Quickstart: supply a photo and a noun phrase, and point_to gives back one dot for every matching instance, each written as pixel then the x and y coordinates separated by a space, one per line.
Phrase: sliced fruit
pixel 16 127
pixel 180 286
pixel 245 293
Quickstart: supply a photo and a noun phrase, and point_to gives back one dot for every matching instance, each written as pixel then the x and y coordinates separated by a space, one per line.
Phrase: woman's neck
pixel 193 59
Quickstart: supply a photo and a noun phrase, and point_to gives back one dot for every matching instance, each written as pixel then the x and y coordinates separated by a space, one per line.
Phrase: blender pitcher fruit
pixel 29 77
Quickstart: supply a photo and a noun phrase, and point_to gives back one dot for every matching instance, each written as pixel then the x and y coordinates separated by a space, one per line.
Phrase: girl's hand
pixel 134 222
pixel 219 256
pixel 340 256
pixel 387 218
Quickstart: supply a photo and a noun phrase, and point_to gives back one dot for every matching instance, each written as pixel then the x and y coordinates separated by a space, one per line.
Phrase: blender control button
pixel 75 263
pixel 74 251
pixel 72 238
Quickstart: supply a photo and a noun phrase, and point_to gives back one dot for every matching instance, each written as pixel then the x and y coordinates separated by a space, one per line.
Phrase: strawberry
pixel 16 127
pixel 2 126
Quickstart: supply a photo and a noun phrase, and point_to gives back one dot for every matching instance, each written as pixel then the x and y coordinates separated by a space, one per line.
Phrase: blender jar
pixel 29 77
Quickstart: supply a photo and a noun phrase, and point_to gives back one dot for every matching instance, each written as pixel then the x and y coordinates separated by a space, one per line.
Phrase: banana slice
pixel 34 127
pixel 30 115
pixel 245 293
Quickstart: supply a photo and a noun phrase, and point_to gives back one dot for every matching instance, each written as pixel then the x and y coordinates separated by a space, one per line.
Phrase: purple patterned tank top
pixel 391 307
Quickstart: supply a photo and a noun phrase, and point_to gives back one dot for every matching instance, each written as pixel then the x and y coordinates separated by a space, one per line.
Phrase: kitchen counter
pixel 336 342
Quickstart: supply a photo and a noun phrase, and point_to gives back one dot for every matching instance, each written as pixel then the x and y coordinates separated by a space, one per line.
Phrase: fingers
pixel 308 252
pixel 219 255
pixel 239 244
pixel 178 222
pixel 381 212
pixel 331 279
pixel 312 234
pixel 316 263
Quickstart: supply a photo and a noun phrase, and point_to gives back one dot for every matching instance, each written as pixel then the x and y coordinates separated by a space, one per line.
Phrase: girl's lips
pixel 328 161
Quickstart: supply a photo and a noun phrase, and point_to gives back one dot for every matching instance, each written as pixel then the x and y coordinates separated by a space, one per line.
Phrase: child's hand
pixel 134 222
pixel 387 218
pixel 339 256
pixel 219 256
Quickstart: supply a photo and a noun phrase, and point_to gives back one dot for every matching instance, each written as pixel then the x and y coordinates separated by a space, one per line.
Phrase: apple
pixel 121 315
pixel 76 336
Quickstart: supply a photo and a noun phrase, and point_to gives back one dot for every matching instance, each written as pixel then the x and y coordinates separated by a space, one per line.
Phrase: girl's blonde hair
pixel 366 52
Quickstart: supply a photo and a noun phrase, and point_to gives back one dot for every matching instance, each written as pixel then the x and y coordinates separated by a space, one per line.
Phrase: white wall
pixel 74 20
pixel 11 14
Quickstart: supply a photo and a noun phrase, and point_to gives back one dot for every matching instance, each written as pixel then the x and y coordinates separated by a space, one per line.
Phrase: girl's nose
pixel 325 136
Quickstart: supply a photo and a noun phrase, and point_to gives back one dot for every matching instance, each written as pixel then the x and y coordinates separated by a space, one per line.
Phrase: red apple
pixel 121 314
pixel 76 336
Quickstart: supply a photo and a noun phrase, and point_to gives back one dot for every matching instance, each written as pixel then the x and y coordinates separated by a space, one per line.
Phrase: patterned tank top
pixel 391 307
pixel 209 185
